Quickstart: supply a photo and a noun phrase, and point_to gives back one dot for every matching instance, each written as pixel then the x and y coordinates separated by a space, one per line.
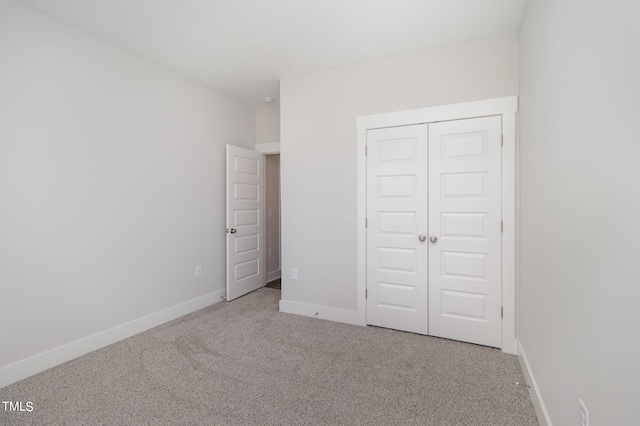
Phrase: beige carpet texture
pixel 245 363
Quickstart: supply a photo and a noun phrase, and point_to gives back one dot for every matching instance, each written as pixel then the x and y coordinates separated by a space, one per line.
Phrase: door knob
pixel 422 237
pixel 233 230
pixel 433 239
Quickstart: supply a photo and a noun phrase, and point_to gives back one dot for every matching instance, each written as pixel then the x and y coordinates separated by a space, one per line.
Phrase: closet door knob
pixel 433 239
pixel 422 237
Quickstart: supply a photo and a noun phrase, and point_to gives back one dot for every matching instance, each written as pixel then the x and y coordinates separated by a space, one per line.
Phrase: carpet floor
pixel 245 363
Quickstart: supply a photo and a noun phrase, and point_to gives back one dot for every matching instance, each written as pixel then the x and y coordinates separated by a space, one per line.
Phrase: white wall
pixel 111 185
pixel 580 204
pixel 318 150
pixel 268 124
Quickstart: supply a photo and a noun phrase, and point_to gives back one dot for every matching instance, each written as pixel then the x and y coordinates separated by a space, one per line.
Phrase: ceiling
pixel 242 48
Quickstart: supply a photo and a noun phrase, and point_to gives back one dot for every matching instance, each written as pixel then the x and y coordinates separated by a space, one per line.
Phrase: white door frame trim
pixel 507 107
pixel 268 148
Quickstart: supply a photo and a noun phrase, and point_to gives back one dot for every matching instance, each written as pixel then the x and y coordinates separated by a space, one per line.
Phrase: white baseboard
pixel 273 275
pixel 536 398
pixel 33 365
pixel 322 312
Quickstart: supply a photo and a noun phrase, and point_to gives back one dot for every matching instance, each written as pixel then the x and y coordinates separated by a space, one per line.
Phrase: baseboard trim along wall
pixel 322 312
pixel 51 358
pixel 273 275
pixel 536 398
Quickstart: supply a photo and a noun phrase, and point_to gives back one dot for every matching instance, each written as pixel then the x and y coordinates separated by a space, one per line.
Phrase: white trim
pixel 273 275
pixel 362 232
pixel 321 312
pixel 509 233
pixel 28 367
pixel 517 225
pixel 507 107
pixel 496 106
pixel 268 148
pixel 534 391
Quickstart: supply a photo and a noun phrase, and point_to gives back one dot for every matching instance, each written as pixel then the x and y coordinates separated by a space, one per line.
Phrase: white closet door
pixel 396 216
pixel 465 230
pixel 245 221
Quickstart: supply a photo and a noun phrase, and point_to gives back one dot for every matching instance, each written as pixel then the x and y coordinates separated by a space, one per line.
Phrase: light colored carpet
pixel 245 363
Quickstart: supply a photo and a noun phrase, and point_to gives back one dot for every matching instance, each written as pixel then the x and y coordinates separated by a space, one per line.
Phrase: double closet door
pixel 434 229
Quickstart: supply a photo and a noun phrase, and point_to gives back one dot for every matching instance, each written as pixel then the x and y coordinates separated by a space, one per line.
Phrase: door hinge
pixel 366 293
pixel 366 222
pixel 502 226
pixel 366 151
pixel 501 311
pixel 501 140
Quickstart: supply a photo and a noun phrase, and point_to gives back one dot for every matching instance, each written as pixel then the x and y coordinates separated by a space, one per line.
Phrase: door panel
pixel 465 217
pixel 396 216
pixel 463 225
pixel 245 221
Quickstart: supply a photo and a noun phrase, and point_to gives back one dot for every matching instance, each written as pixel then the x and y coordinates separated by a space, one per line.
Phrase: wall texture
pixel 580 180
pixel 111 184
pixel 318 149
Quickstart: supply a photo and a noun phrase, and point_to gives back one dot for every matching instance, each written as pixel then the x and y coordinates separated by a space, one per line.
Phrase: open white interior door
pixel 245 221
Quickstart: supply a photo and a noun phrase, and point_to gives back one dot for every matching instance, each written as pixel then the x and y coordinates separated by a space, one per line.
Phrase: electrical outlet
pixel 294 273
pixel 198 271
pixel 270 212
pixel 270 252
pixel 584 413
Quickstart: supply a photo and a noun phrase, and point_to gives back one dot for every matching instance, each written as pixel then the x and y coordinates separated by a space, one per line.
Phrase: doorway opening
pixel 273 257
